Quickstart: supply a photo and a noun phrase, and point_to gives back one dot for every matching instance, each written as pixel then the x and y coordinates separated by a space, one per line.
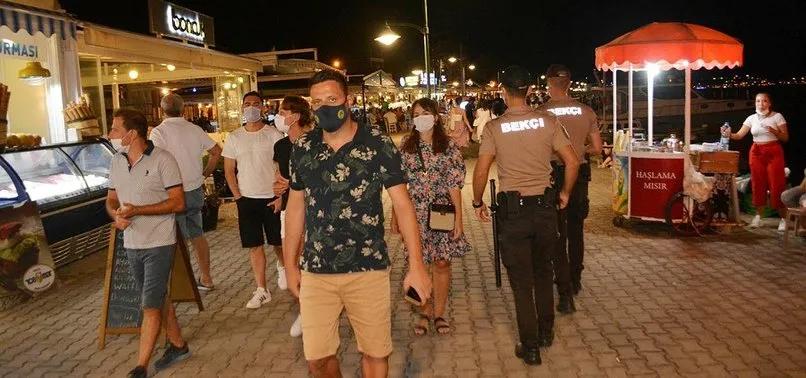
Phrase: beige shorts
pixel 365 296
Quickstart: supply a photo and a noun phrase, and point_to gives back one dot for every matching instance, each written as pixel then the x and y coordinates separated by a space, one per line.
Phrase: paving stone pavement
pixel 653 305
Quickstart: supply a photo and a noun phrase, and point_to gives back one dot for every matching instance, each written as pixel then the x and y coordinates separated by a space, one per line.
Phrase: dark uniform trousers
pixel 570 248
pixel 528 242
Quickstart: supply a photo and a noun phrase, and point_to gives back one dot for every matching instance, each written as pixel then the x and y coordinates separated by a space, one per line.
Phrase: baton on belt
pixel 496 247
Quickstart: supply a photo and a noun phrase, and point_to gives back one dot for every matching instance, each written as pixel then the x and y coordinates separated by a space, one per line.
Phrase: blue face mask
pixel 331 118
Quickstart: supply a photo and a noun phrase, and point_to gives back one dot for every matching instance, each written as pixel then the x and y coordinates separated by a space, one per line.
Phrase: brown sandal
pixel 442 326
pixel 419 328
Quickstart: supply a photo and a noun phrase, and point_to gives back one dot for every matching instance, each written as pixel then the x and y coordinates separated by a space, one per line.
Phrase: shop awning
pixel 35 20
pixel 670 45
pixel 380 78
pixel 113 44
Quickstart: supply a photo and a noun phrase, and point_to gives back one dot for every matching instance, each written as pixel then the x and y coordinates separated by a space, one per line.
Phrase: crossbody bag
pixel 441 217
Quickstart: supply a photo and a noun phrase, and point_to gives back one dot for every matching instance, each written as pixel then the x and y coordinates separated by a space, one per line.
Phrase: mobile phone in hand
pixel 413 297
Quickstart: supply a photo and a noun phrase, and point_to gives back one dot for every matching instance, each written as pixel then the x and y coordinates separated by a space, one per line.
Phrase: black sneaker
pixel 545 334
pixel 576 286
pixel 138 372
pixel 566 304
pixel 531 356
pixel 171 356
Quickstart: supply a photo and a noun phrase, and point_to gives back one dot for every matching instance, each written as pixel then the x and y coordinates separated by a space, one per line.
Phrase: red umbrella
pixel 671 45
pixel 667 45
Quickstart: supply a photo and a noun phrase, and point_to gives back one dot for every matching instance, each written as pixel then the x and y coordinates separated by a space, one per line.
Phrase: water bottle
pixel 724 140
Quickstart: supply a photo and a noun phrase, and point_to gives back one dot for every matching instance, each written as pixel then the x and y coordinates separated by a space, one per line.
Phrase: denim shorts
pixel 190 221
pixel 151 269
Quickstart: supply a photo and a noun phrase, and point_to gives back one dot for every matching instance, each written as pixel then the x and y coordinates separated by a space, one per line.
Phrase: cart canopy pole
pixel 615 110
pixel 629 104
pixel 650 89
pixel 688 106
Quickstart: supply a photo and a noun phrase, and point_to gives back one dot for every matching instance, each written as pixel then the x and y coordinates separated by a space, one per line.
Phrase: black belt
pixel 539 201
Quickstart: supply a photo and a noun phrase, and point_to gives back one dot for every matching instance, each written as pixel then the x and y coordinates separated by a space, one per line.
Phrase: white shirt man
pixel 249 150
pixel 187 142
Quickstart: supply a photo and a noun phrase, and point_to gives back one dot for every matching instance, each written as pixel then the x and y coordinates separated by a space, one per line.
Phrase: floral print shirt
pixel 344 213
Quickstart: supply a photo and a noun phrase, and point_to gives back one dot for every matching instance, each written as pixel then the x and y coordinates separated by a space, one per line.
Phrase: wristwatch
pixel 480 204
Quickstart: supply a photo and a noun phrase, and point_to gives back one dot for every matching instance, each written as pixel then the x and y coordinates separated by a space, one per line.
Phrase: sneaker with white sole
pixel 756 222
pixel 782 225
pixel 260 297
pixel 282 282
pixel 296 328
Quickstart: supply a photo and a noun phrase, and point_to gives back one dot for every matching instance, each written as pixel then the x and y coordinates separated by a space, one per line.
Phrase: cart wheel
pixel 696 217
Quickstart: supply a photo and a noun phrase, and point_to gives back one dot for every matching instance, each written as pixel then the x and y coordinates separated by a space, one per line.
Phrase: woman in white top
pixel 458 126
pixel 483 115
pixel 769 129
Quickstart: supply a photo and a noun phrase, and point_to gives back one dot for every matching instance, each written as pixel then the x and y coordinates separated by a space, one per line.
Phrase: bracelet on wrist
pixel 476 206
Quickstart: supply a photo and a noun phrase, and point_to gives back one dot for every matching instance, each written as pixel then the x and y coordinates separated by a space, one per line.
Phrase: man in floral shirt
pixel 337 174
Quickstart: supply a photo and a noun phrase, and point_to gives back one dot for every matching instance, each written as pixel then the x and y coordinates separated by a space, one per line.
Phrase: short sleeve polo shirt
pixel 343 209
pixel 146 182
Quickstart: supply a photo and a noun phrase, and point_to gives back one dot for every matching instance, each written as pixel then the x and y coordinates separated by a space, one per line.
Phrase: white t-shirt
pixel 254 154
pixel 187 143
pixel 758 126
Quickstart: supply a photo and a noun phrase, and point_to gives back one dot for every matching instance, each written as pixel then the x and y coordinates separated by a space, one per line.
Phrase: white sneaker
pixel 782 225
pixel 282 282
pixel 260 297
pixel 756 222
pixel 296 328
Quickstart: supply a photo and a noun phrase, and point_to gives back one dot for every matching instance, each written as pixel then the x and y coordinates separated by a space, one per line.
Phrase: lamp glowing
pixel 471 67
pixel 133 74
pixel 652 69
pixel 170 67
pixel 33 73
pixel 388 36
pixel 164 91
pixel 452 59
pixel 417 72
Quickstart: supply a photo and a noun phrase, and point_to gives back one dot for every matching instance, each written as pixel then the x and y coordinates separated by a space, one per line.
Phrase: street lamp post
pixel 389 37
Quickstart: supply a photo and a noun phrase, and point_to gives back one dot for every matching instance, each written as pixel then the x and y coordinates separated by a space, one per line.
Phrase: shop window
pixel 8 191
pixel 35 107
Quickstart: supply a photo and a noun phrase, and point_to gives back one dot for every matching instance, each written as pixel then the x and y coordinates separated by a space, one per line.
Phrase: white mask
pixel 763 113
pixel 251 114
pixel 117 144
pixel 424 122
pixel 279 122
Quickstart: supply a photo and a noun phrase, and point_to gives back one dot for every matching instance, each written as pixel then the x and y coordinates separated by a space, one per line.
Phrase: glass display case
pixel 68 184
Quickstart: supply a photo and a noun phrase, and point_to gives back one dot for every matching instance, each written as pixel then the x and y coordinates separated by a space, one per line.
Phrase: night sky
pixel 493 33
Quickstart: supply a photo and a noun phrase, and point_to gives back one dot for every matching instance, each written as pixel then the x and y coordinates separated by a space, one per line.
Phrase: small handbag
pixel 441 217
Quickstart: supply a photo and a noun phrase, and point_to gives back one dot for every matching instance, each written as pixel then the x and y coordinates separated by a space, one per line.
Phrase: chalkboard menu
pixel 121 312
pixel 124 310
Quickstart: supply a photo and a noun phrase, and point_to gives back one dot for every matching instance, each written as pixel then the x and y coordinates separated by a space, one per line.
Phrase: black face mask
pixel 331 118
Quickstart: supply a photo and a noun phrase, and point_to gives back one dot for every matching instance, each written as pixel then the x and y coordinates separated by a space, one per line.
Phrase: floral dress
pixel 445 171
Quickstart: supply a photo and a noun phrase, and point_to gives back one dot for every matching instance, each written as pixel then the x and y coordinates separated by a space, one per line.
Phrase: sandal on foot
pixel 419 328
pixel 442 326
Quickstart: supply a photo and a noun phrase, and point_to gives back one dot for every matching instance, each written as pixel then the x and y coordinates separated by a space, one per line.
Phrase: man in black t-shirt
pixel 294 119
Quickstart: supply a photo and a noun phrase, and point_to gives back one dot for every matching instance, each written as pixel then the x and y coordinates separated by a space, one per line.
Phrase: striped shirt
pixel 146 182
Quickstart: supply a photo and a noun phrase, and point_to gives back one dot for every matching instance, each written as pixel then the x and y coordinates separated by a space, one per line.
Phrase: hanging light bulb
pixel 133 74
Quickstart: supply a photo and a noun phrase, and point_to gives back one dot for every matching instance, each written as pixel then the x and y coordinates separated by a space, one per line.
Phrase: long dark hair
pixel 439 140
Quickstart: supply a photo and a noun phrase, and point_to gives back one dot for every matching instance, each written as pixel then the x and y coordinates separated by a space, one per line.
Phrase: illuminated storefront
pixel 136 70
pixel 39 67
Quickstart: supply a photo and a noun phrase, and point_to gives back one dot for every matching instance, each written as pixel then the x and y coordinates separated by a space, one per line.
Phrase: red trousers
pixel 767 173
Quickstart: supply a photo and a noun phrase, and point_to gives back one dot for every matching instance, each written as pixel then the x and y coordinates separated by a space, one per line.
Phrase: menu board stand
pixel 122 312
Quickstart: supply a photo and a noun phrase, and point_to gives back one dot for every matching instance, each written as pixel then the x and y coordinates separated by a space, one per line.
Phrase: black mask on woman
pixel 331 118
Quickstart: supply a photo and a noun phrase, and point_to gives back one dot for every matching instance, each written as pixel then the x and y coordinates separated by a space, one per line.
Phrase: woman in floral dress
pixel 436 173
pixel 459 127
